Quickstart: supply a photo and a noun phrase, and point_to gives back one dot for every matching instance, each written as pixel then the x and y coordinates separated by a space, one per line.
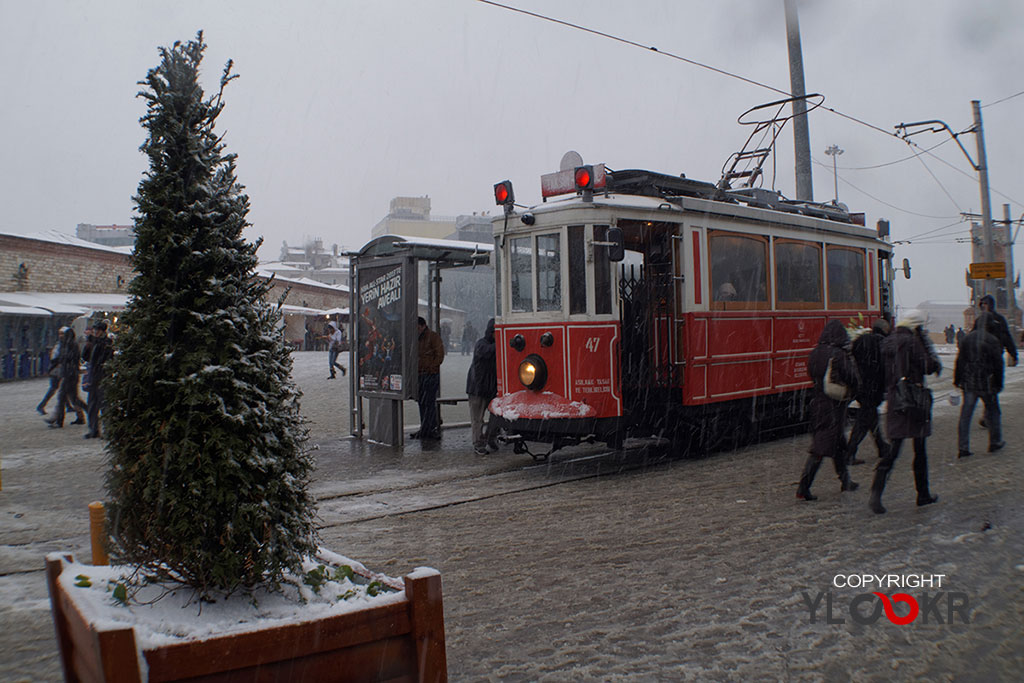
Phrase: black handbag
pixel 913 400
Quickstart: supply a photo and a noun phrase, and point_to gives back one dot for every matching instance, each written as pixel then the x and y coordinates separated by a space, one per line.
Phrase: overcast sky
pixel 342 105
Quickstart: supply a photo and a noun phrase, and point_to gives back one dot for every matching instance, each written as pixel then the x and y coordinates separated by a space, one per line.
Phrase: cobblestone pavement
pixel 639 565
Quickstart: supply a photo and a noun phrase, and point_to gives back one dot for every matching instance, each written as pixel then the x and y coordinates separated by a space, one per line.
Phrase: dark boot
pixel 807 478
pixel 878 486
pixel 845 483
pixel 924 496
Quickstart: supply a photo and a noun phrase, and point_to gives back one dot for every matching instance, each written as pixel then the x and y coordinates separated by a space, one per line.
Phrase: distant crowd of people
pixel 65 370
pixel 888 365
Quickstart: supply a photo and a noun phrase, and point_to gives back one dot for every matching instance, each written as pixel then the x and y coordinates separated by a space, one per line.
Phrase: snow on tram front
pixel 638 303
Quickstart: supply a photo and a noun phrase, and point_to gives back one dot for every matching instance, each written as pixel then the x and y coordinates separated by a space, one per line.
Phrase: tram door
pixel 645 306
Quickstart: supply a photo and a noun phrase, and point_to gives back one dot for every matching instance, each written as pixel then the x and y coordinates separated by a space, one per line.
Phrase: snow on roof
pixel 65 303
pixel 24 310
pixel 303 310
pixel 58 237
pixel 265 272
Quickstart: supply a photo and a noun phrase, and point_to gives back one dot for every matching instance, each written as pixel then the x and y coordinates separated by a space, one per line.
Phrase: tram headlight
pixel 533 372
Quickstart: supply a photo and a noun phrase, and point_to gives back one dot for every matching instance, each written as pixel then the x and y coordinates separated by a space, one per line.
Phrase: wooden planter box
pixel 399 641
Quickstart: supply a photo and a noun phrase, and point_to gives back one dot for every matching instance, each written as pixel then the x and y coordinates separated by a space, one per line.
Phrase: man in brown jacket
pixel 431 355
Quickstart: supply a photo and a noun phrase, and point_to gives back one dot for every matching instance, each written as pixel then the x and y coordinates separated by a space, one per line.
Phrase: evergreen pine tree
pixel 208 471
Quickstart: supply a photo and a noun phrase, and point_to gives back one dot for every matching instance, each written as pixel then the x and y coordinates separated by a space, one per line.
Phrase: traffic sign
pixel 993 270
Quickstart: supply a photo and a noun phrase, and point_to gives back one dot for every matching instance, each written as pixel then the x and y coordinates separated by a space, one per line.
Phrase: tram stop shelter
pixel 384 282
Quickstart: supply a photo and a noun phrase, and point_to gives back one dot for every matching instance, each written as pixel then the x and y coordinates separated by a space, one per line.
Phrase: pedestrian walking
pixel 54 372
pixel 979 374
pixel 468 337
pixel 908 357
pixel 431 355
pixel 867 354
pixel 481 387
pixel 335 345
pixel 67 396
pixel 987 304
pixel 97 351
pixel 960 334
pixel 830 364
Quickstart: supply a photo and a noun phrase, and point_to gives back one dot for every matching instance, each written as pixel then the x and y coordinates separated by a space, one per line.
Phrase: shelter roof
pixel 449 252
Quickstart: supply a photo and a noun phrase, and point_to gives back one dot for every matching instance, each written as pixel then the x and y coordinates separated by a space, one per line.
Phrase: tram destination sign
pixel 988 270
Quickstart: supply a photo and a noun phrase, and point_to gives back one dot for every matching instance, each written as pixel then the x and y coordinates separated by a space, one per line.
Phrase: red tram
pixel 637 303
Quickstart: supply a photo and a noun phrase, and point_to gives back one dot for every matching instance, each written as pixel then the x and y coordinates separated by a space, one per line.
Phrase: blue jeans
pixel 992 418
pixel 332 356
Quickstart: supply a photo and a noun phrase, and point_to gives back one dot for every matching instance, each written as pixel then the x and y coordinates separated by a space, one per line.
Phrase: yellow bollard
pixel 97 525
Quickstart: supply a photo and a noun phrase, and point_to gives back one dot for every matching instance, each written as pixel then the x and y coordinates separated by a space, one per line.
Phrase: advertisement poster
pixel 381 302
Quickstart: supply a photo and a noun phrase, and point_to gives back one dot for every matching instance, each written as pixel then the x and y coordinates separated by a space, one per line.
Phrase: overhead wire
pixel 939 183
pixel 1008 97
pixel 880 201
pixel 723 72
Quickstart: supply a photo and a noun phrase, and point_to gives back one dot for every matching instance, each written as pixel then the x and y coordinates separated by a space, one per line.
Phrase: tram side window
pixel 739 273
pixel 577 271
pixel 846 286
pixel 549 272
pixel 798 275
pixel 521 274
pixel 602 272
pixel 497 277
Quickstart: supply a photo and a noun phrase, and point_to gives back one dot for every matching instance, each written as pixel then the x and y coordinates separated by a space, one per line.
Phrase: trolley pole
pixel 986 202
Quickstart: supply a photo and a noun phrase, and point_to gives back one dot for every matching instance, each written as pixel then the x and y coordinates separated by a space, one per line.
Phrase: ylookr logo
pixel 899 608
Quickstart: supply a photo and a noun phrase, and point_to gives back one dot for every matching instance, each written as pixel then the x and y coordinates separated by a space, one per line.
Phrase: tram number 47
pixel 592 344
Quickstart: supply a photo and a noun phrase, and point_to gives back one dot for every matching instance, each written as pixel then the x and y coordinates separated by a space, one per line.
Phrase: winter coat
pixel 69 360
pixel 482 379
pixel 906 354
pixel 867 353
pixel 1002 328
pixel 979 365
pixel 828 416
pixel 431 352
pixel 97 351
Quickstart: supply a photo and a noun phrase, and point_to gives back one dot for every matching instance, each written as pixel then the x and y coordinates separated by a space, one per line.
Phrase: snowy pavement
pixel 594 566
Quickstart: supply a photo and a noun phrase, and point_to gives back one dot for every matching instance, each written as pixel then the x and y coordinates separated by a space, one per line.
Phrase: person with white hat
pixel 908 356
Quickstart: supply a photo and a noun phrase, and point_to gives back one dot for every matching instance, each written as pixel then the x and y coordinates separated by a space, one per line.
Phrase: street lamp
pixel 833 152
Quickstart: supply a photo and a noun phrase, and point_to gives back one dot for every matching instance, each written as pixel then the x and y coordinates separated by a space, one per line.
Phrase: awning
pixel 451 253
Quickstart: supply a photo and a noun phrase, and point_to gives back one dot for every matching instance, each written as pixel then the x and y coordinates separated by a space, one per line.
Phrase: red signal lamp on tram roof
pixel 584 177
pixel 503 194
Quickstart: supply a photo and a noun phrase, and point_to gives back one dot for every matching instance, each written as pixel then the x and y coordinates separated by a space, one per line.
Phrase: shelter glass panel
pixel 797 275
pixel 549 272
pixel 577 271
pixel 521 274
pixel 846 285
pixel 739 271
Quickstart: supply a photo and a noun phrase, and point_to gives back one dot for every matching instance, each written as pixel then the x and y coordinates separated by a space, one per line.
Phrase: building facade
pixel 48 280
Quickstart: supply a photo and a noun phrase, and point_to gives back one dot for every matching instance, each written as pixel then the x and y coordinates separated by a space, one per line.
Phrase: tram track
pixel 356 507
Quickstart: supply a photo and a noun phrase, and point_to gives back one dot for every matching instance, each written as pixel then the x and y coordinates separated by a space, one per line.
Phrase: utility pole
pixel 801 131
pixel 1011 290
pixel 834 151
pixel 981 167
pixel 986 201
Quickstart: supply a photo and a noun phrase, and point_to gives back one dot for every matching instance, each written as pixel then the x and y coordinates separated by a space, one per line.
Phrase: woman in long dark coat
pixel 828 416
pixel 906 353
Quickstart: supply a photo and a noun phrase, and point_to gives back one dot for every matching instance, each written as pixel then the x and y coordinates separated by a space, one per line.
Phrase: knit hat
pixel 913 318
